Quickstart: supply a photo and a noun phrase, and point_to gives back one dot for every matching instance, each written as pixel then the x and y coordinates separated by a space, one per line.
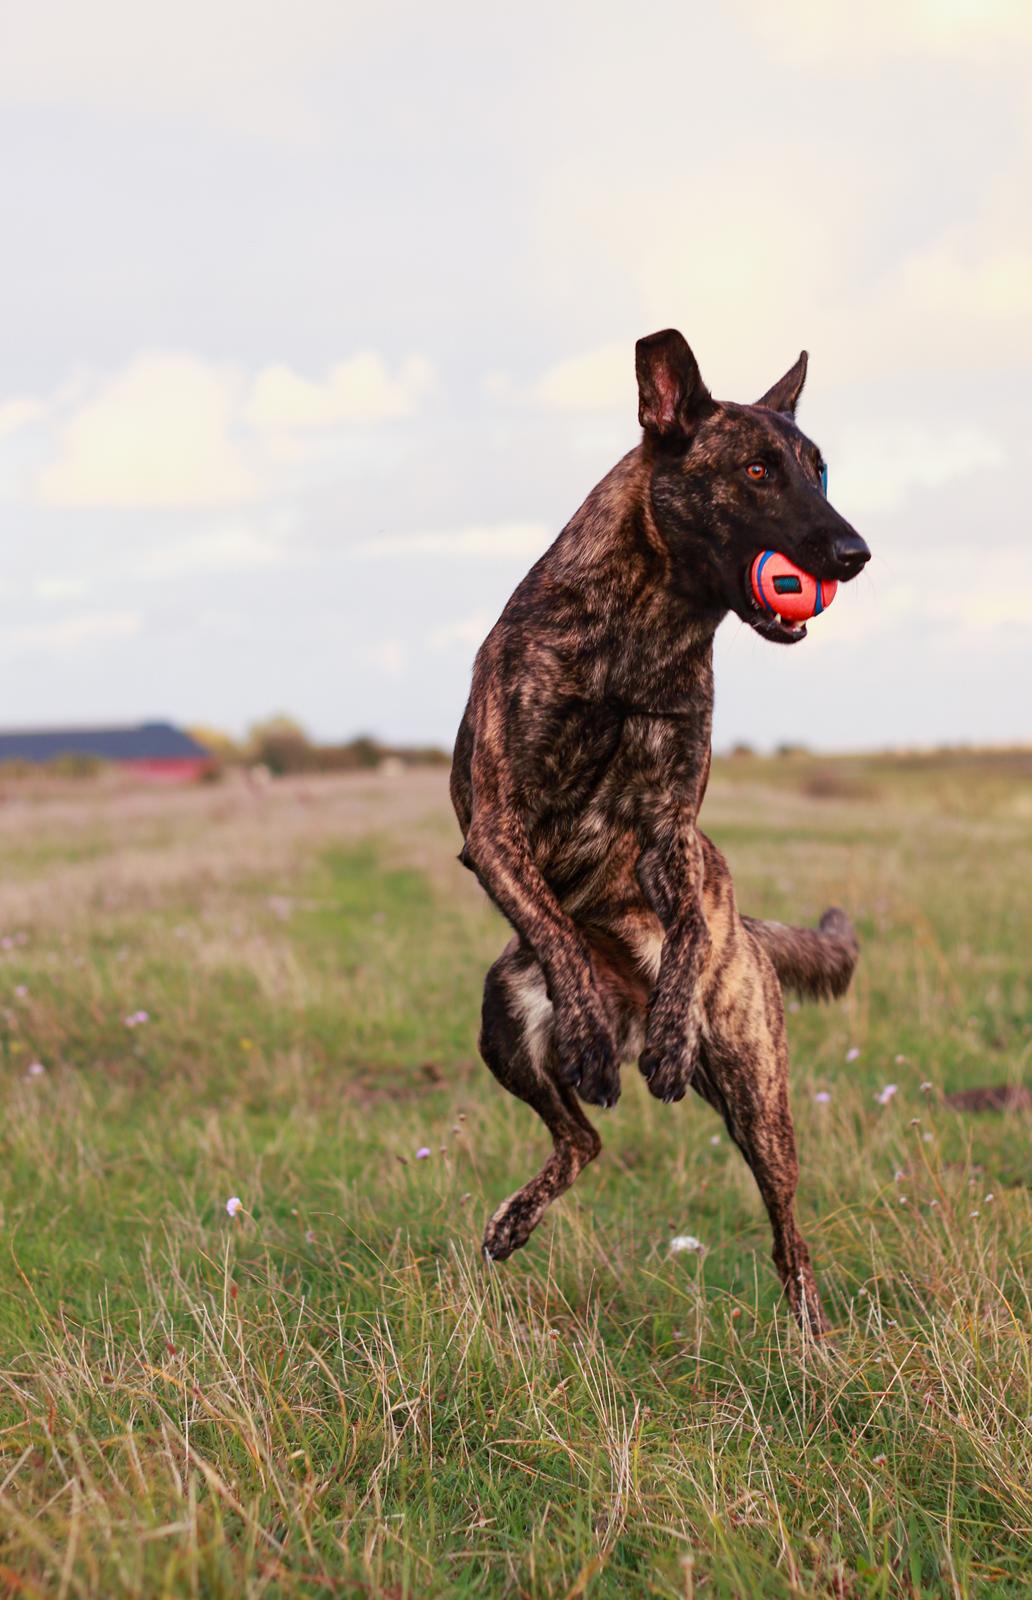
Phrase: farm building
pixel 154 750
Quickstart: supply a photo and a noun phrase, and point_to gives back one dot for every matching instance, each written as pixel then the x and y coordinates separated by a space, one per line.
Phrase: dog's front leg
pixel 496 849
pixel 670 874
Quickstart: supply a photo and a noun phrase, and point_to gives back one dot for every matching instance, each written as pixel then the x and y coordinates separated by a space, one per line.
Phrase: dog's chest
pixel 587 791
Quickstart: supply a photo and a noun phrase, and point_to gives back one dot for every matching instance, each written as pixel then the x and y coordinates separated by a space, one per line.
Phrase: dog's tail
pixel 816 962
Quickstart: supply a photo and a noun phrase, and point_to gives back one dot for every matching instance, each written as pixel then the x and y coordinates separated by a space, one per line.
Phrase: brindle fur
pixel 579 770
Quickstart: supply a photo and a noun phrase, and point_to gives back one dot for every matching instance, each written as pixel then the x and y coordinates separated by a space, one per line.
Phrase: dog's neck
pixel 653 641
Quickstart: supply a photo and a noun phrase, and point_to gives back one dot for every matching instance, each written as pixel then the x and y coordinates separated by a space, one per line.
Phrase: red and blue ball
pixel 782 589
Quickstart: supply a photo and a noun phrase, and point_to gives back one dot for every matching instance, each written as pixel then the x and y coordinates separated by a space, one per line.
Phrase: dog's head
pixel 728 481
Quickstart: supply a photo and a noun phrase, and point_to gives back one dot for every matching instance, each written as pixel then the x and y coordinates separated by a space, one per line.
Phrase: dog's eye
pixel 757 471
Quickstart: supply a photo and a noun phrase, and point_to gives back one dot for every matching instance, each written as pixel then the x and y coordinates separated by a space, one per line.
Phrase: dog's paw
pixel 508 1230
pixel 600 1081
pixel 587 1055
pixel 670 1058
pixel 673 1035
pixel 667 1073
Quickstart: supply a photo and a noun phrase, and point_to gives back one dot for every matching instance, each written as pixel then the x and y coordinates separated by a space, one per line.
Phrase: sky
pixel 320 324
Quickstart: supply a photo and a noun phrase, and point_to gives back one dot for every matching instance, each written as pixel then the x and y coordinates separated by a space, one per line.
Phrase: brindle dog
pixel 580 767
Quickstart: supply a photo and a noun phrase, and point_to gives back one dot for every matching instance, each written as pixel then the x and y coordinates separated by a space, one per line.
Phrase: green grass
pixel 330 1394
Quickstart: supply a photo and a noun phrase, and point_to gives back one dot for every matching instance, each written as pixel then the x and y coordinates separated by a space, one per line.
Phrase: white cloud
pixel 471 630
pixel 992 283
pixel 855 181
pixel 173 430
pixel 763 281
pixel 498 385
pixel 885 252
pixel 389 656
pixel 593 381
pixel 903 591
pixel 227 62
pixel 70 633
pixel 596 380
pixel 876 466
pixel 482 541
pixel 810 30
pixel 234 548
pixel 60 586
pixel 19 413
pixel 159 433
pixel 359 390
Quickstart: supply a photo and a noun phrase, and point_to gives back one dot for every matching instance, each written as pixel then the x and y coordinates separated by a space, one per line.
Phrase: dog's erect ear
pixel 671 392
pixel 784 395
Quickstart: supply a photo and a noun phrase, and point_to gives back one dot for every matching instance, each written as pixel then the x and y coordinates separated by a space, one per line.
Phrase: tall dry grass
pixel 329 1393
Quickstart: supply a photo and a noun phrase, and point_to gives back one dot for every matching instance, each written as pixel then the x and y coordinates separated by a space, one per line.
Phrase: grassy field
pixel 328 1393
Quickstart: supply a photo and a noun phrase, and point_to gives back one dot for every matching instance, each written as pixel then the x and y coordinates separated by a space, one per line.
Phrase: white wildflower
pixel 682 1242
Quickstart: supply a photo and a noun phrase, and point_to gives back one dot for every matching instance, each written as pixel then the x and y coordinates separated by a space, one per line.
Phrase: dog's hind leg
pixel 515 1041
pixel 743 1074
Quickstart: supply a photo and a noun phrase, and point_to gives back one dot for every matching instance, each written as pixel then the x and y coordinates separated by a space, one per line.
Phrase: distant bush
pixel 282 746
pixel 73 764
pixel 368 755
pixel 283 753
pixel 279 743
pixel 360 752
pixel 67 764
pixel 835 783
pixel 222 746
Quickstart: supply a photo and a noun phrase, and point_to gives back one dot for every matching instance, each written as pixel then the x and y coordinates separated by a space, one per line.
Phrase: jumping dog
pixel 580 766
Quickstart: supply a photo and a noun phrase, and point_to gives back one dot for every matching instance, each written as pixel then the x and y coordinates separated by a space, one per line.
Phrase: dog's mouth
pixel 767 623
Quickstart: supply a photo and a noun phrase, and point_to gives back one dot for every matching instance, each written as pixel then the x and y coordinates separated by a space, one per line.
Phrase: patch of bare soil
pixel 1001 1097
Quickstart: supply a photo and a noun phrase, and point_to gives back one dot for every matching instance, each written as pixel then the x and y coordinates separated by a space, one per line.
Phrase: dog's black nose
pixel 850 552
